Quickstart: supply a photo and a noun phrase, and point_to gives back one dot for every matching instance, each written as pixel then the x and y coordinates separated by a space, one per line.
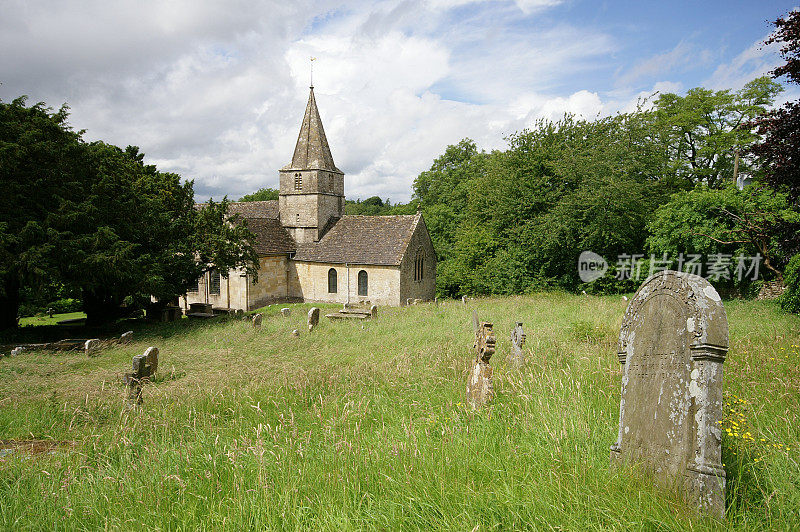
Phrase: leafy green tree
pixel 262 194
pixel 725 221
pixel 702 131
pixel 41 172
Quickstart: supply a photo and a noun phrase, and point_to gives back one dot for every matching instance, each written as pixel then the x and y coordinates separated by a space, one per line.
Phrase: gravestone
pixel 16 351
pixel 672 344
pixel 91 347
pixel 373 311
pixel 464 299
pixel 516 358
pixel 313 318
pixel 295 332
pixel 144 367
pixel 480 389
pixel 286 312
pixel 408 301
pixel 126 338
pixel 257 320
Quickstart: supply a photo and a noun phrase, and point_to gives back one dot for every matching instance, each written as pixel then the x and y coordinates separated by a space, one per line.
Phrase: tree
pixel 41 172
pixel 262 194
pixel 702 131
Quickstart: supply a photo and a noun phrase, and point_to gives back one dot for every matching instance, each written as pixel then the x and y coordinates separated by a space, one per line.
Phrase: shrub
pixel 790 299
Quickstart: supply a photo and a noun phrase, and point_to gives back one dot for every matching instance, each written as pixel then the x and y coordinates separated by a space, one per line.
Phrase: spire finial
pixel 312 71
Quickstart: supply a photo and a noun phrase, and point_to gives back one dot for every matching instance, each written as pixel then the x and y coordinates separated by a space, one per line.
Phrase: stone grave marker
pixel 126 338
pixel 16 351
pixel 91 347
pixel 144 367
pixel 257 319
pixel 373 311
pixel 295 332
pixel 516 358
pixel 286 312
pixel 480 389
pixel 464 299
pixel 313 318
pixel 672 344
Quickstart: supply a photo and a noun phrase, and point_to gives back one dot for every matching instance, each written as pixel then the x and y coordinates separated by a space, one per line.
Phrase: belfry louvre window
pixel 298 181
pixel 332 281
pixel 214 282
pixel 362 283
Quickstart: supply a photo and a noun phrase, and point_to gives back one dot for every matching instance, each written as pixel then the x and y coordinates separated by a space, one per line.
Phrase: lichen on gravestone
pixel 672 345
pixel 257 318
pixel 480 388
pixel 91 347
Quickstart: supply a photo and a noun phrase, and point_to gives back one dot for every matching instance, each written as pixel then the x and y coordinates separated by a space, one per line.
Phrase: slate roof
pixel 312 151
pixel 377 240
pixel 271 237
pixel 254 209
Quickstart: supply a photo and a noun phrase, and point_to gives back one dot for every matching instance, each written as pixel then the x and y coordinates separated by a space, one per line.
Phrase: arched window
pixel 419 265
pixel 332 281
pixel 362 283
pixel 213 285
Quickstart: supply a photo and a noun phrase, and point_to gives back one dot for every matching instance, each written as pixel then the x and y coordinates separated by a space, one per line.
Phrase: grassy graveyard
pixel 352 427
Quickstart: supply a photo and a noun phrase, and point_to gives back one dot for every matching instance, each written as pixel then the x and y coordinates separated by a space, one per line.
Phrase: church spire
pixel 312 151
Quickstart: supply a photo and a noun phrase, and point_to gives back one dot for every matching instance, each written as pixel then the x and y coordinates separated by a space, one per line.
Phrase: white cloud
pixel 757 60
pixel 683 56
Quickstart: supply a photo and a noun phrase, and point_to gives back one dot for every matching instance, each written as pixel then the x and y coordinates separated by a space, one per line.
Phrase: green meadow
pixel 362 425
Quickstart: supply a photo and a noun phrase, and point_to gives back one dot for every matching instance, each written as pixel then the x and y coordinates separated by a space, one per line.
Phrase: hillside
pixel 349 427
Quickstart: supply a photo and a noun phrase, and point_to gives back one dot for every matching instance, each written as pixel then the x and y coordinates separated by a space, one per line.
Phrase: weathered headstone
pixel 16 351
pixel 257 320
pixel 409 301
pixel 50 312
pixel 286 312
pixel 373 311
pixel 464 299
pixel 126 338
pixel 313 318
pixel 436 301
pixel 517 342
pixel 624 298
pixel 295 332
pixel 144 367
pixel 480 389
pixel 91 347
pixel 672 344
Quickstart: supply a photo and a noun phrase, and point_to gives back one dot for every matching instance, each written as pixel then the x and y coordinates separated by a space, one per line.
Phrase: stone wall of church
pixel 420 284
pixel 309 280
pixel 237 292
pixel 272 281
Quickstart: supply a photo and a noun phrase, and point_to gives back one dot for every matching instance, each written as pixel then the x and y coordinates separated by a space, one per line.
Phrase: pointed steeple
pixel 312 151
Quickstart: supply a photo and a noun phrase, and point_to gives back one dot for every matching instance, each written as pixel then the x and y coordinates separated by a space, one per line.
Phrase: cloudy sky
pixel 216 90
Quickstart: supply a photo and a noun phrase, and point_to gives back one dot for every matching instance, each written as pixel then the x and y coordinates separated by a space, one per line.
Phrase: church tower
pixel 311 195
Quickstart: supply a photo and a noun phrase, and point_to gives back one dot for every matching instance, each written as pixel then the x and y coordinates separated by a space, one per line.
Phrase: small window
pixel 419 265
pixel 298 181
pixel 297 218
pixel 362 283
pixel 194 287
pixel 213 285
pixel 332 281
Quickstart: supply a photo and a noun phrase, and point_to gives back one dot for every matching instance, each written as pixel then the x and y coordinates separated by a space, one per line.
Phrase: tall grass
pixel 363 426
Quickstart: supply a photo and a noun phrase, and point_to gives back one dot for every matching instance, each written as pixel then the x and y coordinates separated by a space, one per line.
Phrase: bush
pixel 790 299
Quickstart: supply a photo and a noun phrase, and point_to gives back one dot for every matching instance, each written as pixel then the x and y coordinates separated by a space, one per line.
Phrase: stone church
pixel 309 250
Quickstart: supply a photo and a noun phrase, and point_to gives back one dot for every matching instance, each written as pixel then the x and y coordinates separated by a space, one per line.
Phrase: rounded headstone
pixel 295 332
pixel 286 312
pixel 91 347
pixel 257 320
pixel 672 344
pixel 127 337
pixel 313 318
pixel 373 311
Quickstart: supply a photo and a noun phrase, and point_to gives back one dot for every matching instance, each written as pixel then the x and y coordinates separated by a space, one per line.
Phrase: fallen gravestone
pixel 516 358
pixel 144 367
pixel 313 318
pixel 672 344
pixel 257 320
pixel 91 347
pixel 286 312
pixel 480 389
pixel 126 338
